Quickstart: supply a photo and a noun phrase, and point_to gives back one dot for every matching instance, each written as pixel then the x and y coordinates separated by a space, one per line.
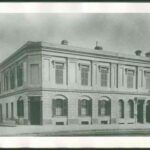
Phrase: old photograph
pixel 74 74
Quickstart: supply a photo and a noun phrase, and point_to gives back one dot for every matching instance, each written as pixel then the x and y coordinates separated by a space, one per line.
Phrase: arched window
pixel 60 107
pixel 103 108
pixel 131 108
pixel 20 107
pixel 85 107
pixel 121 109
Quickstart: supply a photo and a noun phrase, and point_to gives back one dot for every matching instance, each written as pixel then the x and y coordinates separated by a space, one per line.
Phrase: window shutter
pixel 63 107
pixel 106 108
pixel 109 107
pixel 100 107
pixel 18 109
pixel 54 107
pixel 90 108
pixel 22 108
pixel 66 107
pixel 65 111
pixel 79 107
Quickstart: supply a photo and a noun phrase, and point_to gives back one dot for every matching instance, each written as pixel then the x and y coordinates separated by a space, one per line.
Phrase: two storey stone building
pixel 58 84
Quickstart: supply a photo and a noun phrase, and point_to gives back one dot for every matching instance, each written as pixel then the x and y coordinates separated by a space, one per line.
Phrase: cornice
pixel 118 59
pixel 30 90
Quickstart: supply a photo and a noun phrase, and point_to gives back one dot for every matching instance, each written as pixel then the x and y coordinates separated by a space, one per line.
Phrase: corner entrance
pixel 140 111
pixel 148 112
pixel 35 110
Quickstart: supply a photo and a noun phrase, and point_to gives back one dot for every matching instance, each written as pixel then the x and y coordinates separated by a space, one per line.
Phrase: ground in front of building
pixel 47 130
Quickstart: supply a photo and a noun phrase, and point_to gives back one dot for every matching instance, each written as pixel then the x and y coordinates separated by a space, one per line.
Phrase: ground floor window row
pixel 139 110
pixel 60 107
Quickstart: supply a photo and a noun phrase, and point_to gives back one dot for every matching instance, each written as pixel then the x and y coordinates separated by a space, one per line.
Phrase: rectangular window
pixel 12 78
pixel 6 110
pixel 20 75
pixel 59 73
pixel 84 108
pixel 34 76
pixel 147 80
pixel 12 110
pixel 84 75
pixel 141 73
pixel 6 81
pixel 104 77
pixel 130 78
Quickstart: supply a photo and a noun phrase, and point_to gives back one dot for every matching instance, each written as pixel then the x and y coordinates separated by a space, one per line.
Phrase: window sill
pixel 59 116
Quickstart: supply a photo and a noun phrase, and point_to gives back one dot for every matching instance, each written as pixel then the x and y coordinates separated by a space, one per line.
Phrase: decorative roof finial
pixel 98 47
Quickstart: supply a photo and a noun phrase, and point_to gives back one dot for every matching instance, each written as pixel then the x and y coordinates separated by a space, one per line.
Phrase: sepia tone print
pixel 58 89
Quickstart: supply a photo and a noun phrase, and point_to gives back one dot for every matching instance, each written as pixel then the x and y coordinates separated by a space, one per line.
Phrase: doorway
pixel 140 112
pixel 35 110
pixel 148 112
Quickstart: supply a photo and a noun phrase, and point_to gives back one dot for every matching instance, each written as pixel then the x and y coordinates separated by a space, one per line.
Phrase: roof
pixel 49 46
pixel 86 50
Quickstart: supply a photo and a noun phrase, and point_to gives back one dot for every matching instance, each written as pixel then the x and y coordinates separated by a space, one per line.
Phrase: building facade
pixel 57 84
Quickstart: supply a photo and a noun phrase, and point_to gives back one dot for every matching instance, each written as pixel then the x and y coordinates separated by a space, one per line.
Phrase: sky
pixel 123 33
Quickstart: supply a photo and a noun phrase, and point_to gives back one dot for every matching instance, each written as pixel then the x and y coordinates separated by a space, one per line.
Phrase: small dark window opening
pixel 84 122
pixel 59 123
pixel 104 122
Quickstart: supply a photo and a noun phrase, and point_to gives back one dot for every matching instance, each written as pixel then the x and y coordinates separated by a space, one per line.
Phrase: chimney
pixel 64 42
pixel 138 52
pixel 147 54
pixel 98 47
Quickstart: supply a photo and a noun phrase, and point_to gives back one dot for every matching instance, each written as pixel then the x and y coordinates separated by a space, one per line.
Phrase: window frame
pixel 121 109
pixel 104 75
pixel 85 69
pixel 130 85
pixel 34 82
pixel 105 106
pixel 131 108
pixel 12 78
pixel 59 78
pixel 63 106
pixel 85 104
pixel 20 77
pixel 6 80
pixel 147 77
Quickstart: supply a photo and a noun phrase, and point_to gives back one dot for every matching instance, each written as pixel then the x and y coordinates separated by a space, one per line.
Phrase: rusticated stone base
pixel 73 121
pixel 113 121
pixel 22 121
pixel 49 121
pixel 94 121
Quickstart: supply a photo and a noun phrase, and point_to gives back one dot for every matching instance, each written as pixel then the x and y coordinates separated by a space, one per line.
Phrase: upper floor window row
pixel 85 74
pixel 12 77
